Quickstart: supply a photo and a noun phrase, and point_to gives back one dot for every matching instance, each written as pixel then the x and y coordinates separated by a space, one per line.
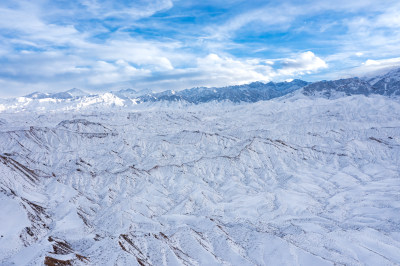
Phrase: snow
pixel 14 220
pixel 296 180
pixel 287 181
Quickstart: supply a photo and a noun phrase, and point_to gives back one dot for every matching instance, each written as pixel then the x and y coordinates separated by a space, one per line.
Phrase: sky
pixel 103 45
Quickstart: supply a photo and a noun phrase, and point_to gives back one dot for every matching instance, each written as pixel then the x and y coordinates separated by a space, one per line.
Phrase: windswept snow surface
pixel 291 181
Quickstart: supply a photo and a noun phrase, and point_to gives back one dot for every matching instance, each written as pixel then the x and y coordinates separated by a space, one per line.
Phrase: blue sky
pixel 107 45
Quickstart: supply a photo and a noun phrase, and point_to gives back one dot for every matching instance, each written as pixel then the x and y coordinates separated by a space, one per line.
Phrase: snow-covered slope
pixel 294 181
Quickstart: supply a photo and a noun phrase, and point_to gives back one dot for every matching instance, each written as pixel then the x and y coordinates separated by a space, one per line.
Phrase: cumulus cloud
pixel 371 66
pixel 234 71
pixel 104 73
pixel 304 63
pixel 152 54
pixel 220 70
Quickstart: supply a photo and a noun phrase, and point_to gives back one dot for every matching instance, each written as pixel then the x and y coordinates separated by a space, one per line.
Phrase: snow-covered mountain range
pixel 387 85
pixel 290 173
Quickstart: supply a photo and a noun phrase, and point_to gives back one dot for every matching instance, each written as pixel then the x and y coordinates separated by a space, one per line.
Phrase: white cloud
pixel 283 15
pixel 217 70
pixel 103 73
pixel 103 69
pixel 81 62
pixel 279 16
pixel 389 18
pixel 235 71
pixel 373 36
pixel 131 10
pixel 144 53
pixel 371 66
pixel 304 63
pixel 225 70
pixel 27 27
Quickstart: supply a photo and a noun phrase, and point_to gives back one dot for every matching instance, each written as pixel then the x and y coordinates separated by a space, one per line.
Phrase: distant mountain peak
pixel 76 92
pixel 128 90
pixel 36 95
pixel 72 93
